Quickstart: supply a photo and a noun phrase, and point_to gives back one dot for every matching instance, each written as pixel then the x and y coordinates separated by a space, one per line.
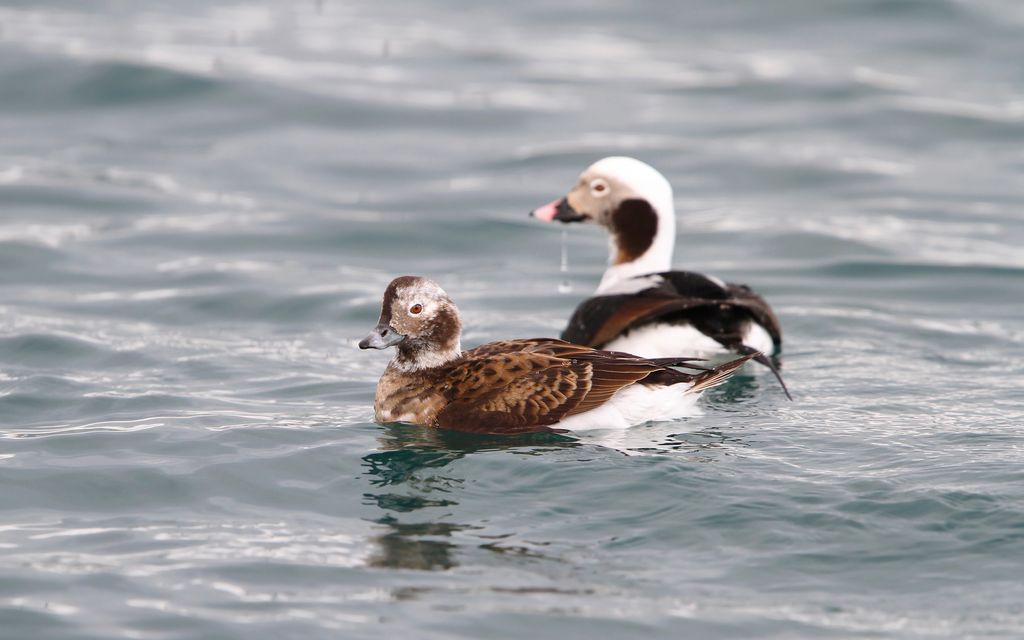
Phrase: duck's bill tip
pixel 381 338
pixel 559 210
pixel 548 212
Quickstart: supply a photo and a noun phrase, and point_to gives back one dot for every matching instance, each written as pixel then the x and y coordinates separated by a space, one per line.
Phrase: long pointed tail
pixel 721 373
pixel 686 363
pixel 760 358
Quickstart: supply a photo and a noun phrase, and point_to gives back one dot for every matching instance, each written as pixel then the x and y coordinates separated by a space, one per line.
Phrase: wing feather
pixel 513 392
pixel 499 390
pixel 719 311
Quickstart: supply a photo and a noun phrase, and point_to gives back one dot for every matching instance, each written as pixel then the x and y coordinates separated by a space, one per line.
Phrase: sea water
pixel 202 202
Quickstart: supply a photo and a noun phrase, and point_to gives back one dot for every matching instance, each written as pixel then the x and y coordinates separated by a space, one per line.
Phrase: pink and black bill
pixel 558 210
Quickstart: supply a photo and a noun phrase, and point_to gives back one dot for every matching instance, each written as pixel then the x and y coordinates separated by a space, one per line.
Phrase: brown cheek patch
pixel 634 224
pixel 444 328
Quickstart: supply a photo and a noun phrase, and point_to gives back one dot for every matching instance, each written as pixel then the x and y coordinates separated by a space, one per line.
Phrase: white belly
pixel 669 340
pixel 637 404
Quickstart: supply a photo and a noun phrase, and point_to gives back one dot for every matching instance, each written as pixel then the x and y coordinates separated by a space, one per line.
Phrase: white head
pixel 634 203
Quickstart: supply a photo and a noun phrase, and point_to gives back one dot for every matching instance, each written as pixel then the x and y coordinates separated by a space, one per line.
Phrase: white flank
pixel 669 340
pixel 637 404
pixel 666 341
pixel 758 338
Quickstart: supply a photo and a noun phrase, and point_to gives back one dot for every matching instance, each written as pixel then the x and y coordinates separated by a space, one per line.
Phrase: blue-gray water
pixel 201 203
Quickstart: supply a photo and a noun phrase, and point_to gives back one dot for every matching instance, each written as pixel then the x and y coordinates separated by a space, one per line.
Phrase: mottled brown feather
pixel 536 382
pixel 546 346
pixel 519 386
pixel 526 389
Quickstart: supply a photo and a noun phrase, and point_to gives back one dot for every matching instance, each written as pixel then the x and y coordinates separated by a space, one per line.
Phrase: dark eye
pixel 599 187
pixel 415 309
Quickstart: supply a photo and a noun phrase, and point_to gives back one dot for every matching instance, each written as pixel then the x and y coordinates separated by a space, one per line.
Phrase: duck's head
pixel 630 199
pixel 418 318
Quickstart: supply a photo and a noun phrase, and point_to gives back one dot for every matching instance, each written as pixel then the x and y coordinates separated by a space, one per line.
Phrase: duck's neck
pixel 422 360
pixel 415 357
pixel 657 257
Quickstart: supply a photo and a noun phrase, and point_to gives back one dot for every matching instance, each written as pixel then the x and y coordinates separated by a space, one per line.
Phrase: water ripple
pixel 201 207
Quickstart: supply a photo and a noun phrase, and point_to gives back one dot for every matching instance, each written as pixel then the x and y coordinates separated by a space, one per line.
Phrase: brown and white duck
pixel 516 386
pixel 642 306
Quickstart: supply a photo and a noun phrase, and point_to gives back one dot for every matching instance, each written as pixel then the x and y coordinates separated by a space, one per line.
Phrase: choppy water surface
pixel 201 202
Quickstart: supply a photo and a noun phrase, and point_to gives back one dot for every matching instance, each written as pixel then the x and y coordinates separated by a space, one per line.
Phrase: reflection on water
pixel 412 473
pixel 667 438
pixel 412 546
pixel 423 439
pixel 414 464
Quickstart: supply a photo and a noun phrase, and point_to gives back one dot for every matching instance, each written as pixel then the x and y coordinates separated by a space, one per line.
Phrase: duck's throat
pixel 416 357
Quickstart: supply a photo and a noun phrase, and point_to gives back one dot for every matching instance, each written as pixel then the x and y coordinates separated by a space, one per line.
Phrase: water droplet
pixel 564 286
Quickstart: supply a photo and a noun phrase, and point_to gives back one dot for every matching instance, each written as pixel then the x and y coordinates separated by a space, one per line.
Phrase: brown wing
pixel 633 311
pixel 563 349
pixel 545 346
pixel 638 310
pixel 720 311
pixel 520 391
pixel 611 370
pixel 500 391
